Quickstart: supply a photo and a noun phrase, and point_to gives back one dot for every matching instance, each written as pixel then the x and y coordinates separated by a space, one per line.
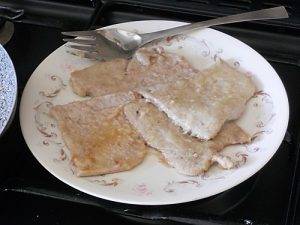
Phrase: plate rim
pixel 221 189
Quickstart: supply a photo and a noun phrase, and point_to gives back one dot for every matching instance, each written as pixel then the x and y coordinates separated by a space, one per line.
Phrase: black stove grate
pixel 283 47
pixel 249 4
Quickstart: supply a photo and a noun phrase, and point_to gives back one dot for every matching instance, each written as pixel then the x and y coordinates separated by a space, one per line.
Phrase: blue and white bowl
pixel 8 90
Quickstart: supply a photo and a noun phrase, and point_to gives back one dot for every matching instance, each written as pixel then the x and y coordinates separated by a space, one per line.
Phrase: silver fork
pixel 117 43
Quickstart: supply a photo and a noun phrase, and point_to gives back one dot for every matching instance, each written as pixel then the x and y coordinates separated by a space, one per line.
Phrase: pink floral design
pixel 63 155
pixel 236 64
pixel 45 125
pixel 142 190
pixel 252 149
pixel 56 87
pixel 260 93
pixel 46 143
pixel 173 185
pixel 257 134
pixel 42 111
pixel 261 124
pixel 68 68
pixel 113 182
pixel 241 159
pixel 255 104
pixel 205 176
pixel 206 52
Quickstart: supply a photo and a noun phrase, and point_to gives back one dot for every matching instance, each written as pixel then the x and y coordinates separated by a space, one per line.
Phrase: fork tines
pixel 85 41
pixel 84 37
pixel 80 41
pixel 88 33
pixel 89 48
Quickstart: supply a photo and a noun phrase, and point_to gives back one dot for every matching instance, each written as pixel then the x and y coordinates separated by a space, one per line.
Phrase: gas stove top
pixel 30 195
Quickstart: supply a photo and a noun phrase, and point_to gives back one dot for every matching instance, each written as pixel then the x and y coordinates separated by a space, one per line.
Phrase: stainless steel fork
pixel 112 43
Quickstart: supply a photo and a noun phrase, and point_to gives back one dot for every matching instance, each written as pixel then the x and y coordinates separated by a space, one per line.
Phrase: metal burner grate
pixel 6 32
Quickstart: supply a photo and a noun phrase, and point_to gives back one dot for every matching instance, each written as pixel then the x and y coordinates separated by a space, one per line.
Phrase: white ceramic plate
pixel 152 182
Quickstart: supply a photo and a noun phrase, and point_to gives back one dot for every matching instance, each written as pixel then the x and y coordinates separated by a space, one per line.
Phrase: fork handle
pixel 264 14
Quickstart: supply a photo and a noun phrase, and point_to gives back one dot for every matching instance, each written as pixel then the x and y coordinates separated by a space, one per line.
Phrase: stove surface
pixel 31 195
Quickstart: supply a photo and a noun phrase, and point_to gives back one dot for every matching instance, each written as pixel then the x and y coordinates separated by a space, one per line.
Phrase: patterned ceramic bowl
pixel 8 90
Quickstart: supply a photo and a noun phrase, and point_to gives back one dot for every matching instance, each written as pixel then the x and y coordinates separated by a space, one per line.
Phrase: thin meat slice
pixel 155 66
pixel 98 136
pixel 202 104
pixel 186 154
pixel 148 67
pixel 101 78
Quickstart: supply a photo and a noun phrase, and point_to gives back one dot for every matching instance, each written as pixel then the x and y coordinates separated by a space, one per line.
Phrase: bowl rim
pixel 14 92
